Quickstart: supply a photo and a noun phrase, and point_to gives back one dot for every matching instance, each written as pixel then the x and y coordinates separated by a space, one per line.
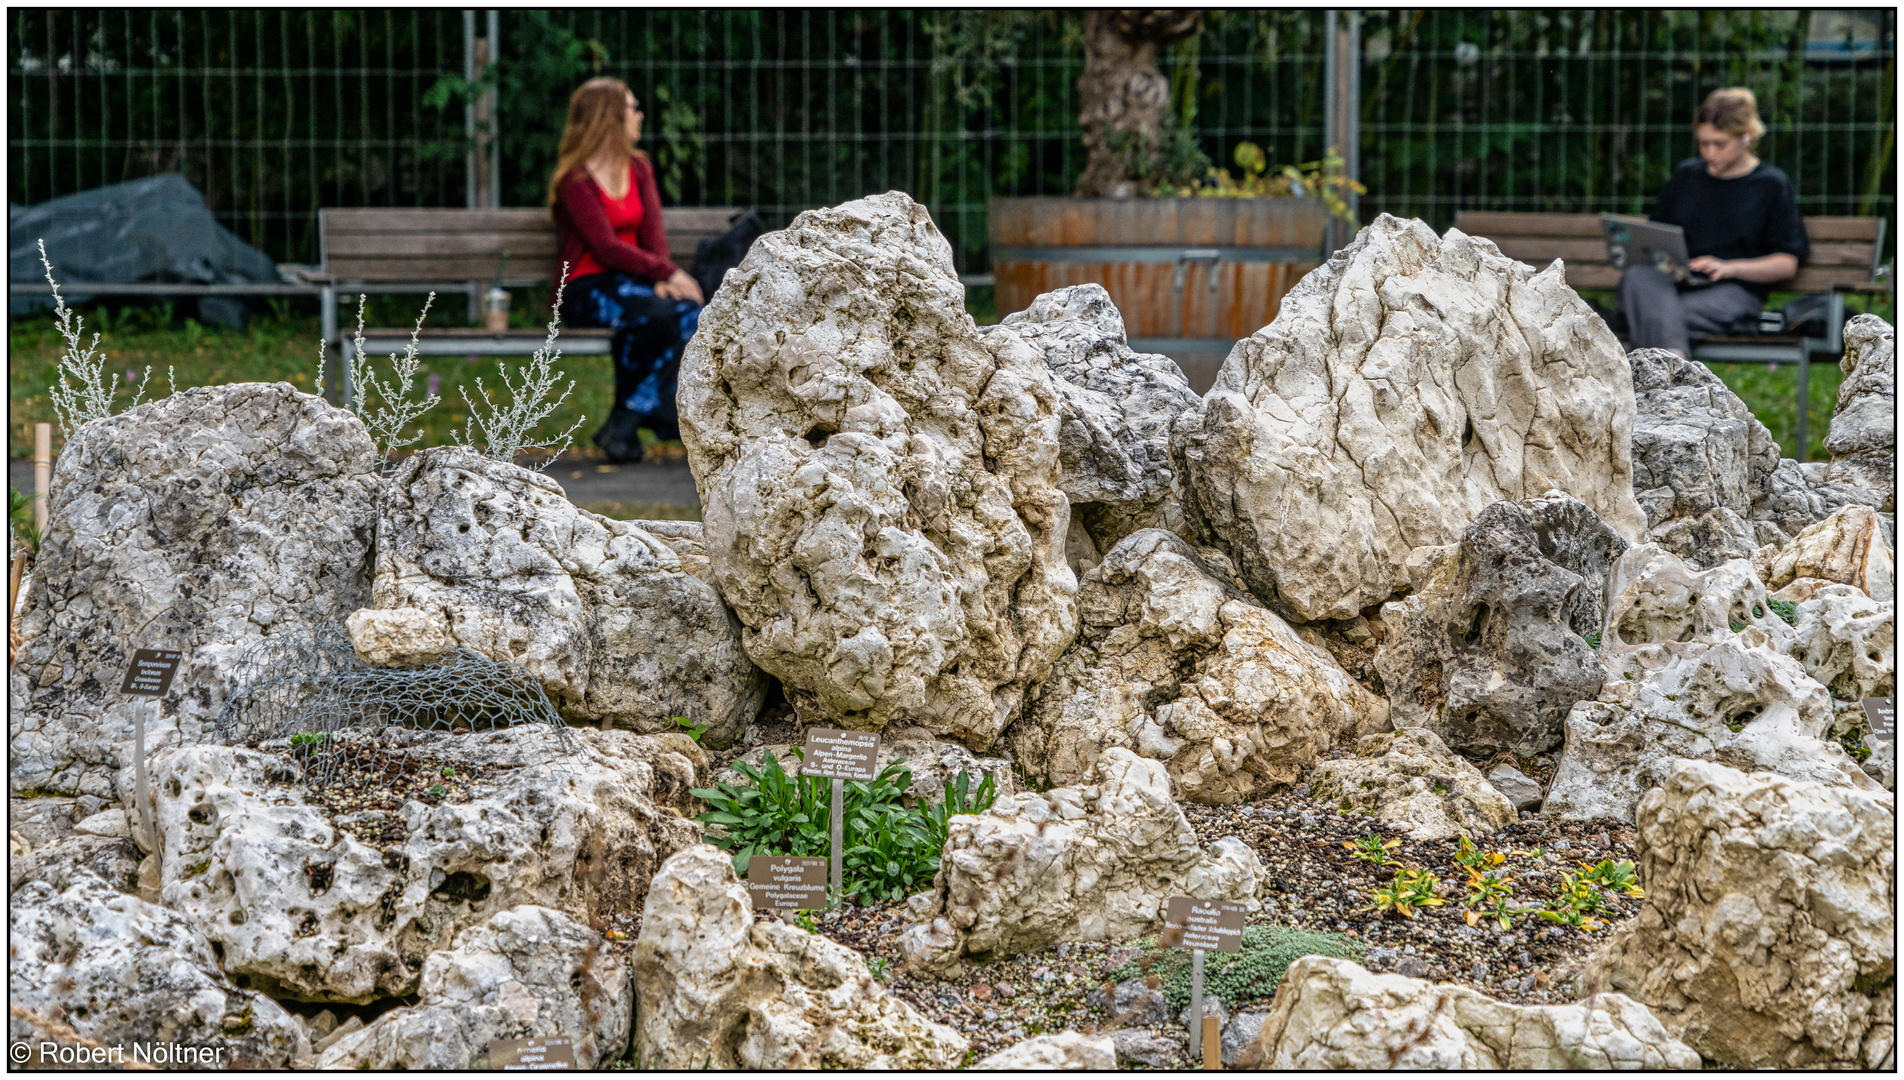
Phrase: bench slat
pixel 1810 279
pixel 400 244
pixel 1539 252
pixel 1495 225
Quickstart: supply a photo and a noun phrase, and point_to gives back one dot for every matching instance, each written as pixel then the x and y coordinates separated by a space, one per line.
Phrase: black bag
pixel 1806 315
pixel 716 255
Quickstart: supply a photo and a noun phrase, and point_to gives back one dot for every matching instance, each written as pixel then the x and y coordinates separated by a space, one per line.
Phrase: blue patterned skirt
pixel 650 334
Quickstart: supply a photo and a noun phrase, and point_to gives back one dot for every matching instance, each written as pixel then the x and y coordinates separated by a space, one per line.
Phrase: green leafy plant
pixel 1737 626
pixel 1474 858
pixel 20 516
pixel 1237 978
pixel 1324 179
pixel 1484 889
pixel 1784 609
pixel 880 967
pixel 449 773
pixel 307 738
pixel 1578 901
pixel 1372 849
pixel 438 791
pixel 1592 639
pixel 1410 889
pixel 694 730
pixel 805 921
pixel 1613 876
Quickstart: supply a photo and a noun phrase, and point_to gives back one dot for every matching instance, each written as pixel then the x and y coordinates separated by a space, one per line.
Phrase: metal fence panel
pixel 275 113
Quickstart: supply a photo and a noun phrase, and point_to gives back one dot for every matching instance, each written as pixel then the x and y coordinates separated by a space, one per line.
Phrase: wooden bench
pixel 406 250
pixel 1844 258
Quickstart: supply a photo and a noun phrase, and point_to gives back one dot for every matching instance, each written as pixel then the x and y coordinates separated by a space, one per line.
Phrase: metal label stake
pixel 843 756
pixel 1196 1003
pixel 1201 925
pixel 150 676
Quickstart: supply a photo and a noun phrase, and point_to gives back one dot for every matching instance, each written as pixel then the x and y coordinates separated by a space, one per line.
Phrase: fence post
pixel 1342 108
pixel 42 474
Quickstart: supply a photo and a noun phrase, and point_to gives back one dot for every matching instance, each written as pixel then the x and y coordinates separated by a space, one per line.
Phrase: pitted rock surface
pixel 1848 641
pixel 1768 936
pixel 604 613
pixel 200 522
pixel 1698 667
pixel 1067 1050
pixel 529 972
pixel 1488 648
pixel 1410 780
pixel 120 971
pixel 1117 409
pixel 717 990
pixel 307 908
pixel 1093 862
pixel 1404 386
pixel 880 486
pixel 1863 435
pixel 1176 665
pixel 1848 548
pixel 1335 1014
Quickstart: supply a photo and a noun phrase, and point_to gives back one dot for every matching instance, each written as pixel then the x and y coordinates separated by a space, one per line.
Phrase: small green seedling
pixel 449 773
pixel 1613 876
pixel 1372 849
pixel 805 921
pixel 1411 889
pixel 1784 609
pixel 438 790
pixel 307 738
pixel 694 730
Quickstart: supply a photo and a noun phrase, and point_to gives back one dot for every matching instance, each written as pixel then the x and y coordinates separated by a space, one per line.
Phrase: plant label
pixel 1203 924
pixel 531 1055
pixel 841 755
pixel 787 882
pixel 1882 713
pixel 151 672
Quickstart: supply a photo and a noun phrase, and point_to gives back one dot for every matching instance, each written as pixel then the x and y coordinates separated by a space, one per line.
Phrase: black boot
pixel 620 438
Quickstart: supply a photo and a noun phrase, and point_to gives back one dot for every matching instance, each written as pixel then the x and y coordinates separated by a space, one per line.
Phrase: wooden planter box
pixel 1189 275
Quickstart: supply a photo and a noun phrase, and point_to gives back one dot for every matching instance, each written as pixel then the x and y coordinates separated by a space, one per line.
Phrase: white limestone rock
pixel 1334 1014
pixel 1117 407
pixel 1682 682
pixel 1411 781
pixel 200 522
pixel 1767 939
pixel 303 904
pixel 1487 649
pixel 399 637
pixel 1862 439
pixel 1404 386
pixel 120 971
pixel 879 485
pixel 1848 641
pixel 1848 548
pixel 717 990
pixel 528 972
pixel 1067 1050
pixel 1094 862
pixel 603 612
pixel 1176 665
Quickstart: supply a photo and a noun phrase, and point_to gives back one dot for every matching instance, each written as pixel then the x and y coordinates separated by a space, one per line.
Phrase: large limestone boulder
pixel 1095 862
pixel 1117 409
pixel 527 972
pixel 1410 781
pixel 717 990
pixel 1768 937
pixel 335 904
pixel 1848 641
pixel 200 522
pixel 1335 1014
pixel 119 971
pixel 1863 435
pixel 1847 548
pixel 880 486
pixel 1175 664
pixel 1488 648
pixel 1404 386
pixel 1698 666
pixel 604 613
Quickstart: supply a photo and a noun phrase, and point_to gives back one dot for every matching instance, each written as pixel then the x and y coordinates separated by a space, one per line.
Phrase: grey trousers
pixel 1661 315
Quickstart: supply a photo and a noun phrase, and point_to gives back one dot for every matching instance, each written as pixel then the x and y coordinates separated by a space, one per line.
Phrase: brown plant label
pixel 532 1055
pixel 1882 712
pixel 151 672
pixel 787 882
pixel 841 755
pixel 1211 925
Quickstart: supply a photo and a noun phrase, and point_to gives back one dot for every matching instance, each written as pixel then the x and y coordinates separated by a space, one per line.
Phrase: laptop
pixel 1650 243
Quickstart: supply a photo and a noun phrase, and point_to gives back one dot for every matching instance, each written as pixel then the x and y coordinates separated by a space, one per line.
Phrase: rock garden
pixel 1510 687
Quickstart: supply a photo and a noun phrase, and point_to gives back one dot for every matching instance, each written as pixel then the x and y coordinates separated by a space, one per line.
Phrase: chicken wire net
pixel 372 736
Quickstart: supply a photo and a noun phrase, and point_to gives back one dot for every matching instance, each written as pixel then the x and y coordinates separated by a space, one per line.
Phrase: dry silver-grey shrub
pixel 394 410
pixel 92 398
pixel 506 429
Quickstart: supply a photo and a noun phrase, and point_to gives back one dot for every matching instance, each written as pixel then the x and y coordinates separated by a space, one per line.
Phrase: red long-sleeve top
pixel 582 215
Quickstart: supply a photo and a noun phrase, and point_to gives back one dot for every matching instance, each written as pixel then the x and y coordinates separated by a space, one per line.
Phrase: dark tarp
pixel 154 229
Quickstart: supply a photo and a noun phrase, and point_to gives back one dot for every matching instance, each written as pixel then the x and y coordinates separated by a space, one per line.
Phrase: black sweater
pixel 1741 218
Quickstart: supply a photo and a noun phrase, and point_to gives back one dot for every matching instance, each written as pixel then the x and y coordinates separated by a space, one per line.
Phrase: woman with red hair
pixel 604 200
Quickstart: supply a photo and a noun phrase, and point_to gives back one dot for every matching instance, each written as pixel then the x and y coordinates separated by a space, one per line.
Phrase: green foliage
pixel 438 791
pixel 307 738
pixel 1323 179
pixel 1784 609
pixel 1411 888
pixel 1372 849
pixel 1240 977
pixel 694 730
pixel 1737 626
pixel 806 921
pixel 1474 858
pixel 680 152
pixel 449 773
pixel 1852 739
pixel 889 850
pixel 20 516
pixel 880 967
pixel 1579 899
pixel 1592 638
pixel 1613 876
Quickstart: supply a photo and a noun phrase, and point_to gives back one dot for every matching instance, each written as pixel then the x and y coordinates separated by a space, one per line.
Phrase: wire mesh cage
pixel 378 735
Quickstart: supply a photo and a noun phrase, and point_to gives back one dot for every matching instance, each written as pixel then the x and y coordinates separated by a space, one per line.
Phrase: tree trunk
pixel 1123 95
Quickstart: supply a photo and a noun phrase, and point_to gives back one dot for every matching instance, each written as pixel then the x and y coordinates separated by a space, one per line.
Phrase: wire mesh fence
pixel 275 113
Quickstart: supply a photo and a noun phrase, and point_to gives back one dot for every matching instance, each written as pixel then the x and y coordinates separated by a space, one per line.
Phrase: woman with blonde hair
pixel 1743 232
pixel 604 199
